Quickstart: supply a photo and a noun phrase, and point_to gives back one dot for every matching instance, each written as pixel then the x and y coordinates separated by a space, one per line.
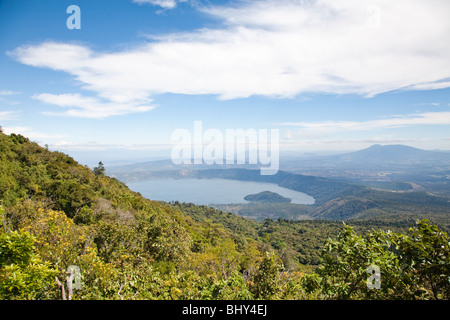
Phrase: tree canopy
pixel 56 214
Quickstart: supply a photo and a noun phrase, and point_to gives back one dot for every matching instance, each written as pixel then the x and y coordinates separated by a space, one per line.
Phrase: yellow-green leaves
pixel 23 274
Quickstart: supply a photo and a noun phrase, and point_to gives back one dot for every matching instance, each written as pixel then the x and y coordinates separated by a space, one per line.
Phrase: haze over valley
pixel 393 181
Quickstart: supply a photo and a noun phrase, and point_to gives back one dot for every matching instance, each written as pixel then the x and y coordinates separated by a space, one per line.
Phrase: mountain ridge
pixel 393 152
pixel 372 154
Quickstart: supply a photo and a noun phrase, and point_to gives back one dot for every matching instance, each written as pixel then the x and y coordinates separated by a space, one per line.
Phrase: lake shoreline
pixel 211 191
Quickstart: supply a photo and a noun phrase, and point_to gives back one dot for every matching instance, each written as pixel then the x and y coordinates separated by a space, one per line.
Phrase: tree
pixel 412 266
pixel 426 253
pixel 99 170
pixel 23 275
pixel 349 261
pixel 267 282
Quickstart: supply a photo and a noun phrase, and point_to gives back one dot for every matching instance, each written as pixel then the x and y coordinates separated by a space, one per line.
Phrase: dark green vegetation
pixel 267 197
pixel 298 241
pixel 261 211
pixel 55 213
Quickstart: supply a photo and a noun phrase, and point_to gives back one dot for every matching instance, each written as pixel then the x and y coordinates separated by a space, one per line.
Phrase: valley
pixel 381 182
pixel 56 213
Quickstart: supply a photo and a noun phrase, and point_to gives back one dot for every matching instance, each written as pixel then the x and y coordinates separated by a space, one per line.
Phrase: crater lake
pixel 211 191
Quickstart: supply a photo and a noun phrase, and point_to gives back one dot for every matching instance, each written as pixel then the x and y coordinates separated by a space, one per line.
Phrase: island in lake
pixel 266 197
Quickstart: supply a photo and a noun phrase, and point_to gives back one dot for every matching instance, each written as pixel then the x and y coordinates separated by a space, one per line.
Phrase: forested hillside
pixel 63 214
pixel 57 215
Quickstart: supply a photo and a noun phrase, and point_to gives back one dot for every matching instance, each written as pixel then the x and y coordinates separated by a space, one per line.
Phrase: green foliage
pixel 346 260
pixel 426 255
pixel 55 213
pixel 232 288
pixel 267 283
pixel 125 246
pixel 411 266
pixel 99 170
pixel 23 275
pixel 266 197
pixel 166 239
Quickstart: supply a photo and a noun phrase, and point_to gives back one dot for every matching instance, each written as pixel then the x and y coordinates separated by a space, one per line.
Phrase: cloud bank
pixel 322 128
pixel 166 4
pixel 268 48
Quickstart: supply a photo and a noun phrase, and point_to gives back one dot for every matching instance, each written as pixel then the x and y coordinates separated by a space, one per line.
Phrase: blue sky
pixel 330 75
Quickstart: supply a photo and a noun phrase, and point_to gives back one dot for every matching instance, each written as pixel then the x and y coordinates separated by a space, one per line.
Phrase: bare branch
pixel 69 283
pixel 121 286
pixel 118 292
pixel 63 291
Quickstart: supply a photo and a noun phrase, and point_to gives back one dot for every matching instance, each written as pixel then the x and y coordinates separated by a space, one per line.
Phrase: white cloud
pixel 272 48
pixel 92 146
pixel 166 4
pixel 7 115
pixel 8 92
pixel 430 86
pixel 95 146
pixel 432 104
pixel 89 107
pixel 370 141
pixel 30 133
pixel 323 128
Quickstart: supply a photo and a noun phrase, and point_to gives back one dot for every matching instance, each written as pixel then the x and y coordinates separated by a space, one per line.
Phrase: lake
pixel 211 191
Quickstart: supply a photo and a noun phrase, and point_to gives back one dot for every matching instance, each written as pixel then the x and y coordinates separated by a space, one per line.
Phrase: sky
pixel 329 75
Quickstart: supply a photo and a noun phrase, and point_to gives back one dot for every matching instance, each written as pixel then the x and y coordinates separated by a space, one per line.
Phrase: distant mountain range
pixel 388 167
pixel 393 153
pixel 375 154
pixel 399 158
